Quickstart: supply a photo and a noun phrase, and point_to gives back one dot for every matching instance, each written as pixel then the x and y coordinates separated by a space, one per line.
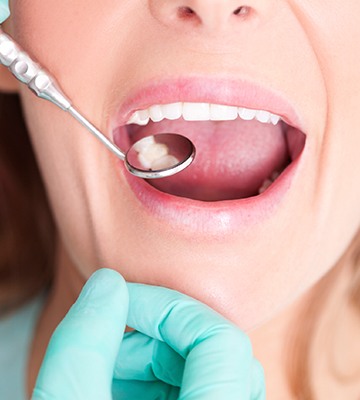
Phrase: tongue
pixel 233 158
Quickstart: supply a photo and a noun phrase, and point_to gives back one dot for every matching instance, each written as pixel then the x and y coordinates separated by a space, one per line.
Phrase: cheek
pixel 338 188
pixel 57 35
pixel 59 164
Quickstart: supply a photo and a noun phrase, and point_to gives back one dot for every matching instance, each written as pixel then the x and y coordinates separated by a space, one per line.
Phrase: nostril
pixel 186 13
pixel 181 14
pixel 243 10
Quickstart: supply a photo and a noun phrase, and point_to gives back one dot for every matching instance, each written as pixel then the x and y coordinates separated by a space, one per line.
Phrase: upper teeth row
pixel 200 112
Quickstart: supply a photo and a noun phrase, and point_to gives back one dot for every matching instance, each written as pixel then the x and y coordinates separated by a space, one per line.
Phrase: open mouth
pixel 241 152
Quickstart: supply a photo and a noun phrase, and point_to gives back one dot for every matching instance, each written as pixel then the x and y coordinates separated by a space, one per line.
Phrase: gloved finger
pixel 131 390
pixel 258 381
pixel 143 358
pixel 218 355
pixel 4 10
pixel 81 355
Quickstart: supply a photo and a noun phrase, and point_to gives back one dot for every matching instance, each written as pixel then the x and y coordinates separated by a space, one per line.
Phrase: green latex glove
pixel 4 10
pixel 181 349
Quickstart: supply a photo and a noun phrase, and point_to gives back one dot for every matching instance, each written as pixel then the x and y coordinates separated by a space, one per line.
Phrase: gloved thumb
pixel 4 10
pixel 81 355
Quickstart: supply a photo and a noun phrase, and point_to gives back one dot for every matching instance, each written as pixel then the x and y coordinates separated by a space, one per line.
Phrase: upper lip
pixel 232 92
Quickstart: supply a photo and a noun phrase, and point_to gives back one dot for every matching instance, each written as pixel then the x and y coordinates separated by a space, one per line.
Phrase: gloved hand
pixel 180 349
pixel 4 10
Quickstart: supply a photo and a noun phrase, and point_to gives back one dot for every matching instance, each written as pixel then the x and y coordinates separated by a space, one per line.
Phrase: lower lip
pixel 214 219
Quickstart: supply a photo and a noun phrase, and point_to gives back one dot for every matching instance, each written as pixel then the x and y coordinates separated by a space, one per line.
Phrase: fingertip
pixel 107 274
pixel 258 380
pixel 4 11
pixel 105 286
pixel 82 351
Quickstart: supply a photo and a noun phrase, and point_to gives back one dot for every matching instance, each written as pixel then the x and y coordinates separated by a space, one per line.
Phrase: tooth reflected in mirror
pixel 153 155
pixel 164 153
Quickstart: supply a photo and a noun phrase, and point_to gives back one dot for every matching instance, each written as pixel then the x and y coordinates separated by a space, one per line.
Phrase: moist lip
pixel 199 89
pixel 219 217
pixel 213 219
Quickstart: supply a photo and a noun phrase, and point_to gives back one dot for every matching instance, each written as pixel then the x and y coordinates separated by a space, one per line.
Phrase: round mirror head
pixel 159 156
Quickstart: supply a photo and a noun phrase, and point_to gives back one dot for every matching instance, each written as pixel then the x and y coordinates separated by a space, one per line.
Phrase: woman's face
pixel 205 232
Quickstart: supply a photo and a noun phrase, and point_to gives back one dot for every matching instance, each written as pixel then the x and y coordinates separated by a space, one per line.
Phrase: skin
pixel 300 41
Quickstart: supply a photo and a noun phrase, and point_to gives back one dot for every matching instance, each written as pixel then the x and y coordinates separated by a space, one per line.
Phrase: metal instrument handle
pixel 43 85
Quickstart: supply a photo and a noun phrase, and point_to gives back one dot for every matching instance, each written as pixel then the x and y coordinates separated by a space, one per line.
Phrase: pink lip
pixel 233 92
pixel 213 219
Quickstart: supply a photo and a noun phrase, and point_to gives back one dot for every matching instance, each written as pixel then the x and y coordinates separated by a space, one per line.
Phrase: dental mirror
pixel 155 156
pixel 160 155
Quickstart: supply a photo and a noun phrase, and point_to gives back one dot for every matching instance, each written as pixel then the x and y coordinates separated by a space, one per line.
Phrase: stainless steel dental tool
pixel 155 156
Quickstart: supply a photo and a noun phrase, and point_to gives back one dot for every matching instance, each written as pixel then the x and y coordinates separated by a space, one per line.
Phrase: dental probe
pixel 155 156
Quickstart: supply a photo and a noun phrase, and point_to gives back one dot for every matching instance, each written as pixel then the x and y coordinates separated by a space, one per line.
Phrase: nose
pixel 213 15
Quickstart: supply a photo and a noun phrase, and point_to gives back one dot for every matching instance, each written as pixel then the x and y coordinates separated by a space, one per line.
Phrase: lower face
pixel 207 232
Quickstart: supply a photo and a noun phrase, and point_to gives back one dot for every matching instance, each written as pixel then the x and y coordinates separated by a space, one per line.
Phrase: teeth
pixel 154 156
pixel 172 111
pixel 140 118
pixel 164 162
pixel 200 112
pixel 263 116
pixel 247 114
pixel 274 119
pixel 223 113
pixel 196 112
pixel 267 182
pixel 156 113
pixel 144 144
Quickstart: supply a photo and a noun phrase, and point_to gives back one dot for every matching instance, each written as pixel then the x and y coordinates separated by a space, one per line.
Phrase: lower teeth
pixel 164 162
pixel 154 156
pixel 268 182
